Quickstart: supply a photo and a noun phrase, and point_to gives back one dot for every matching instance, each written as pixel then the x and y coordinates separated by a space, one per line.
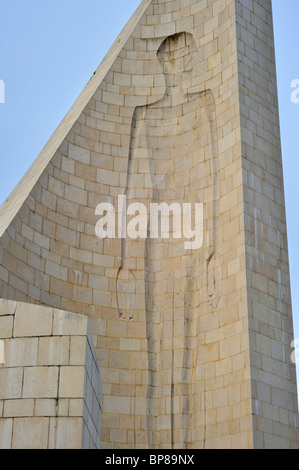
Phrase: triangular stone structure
pixel 193 341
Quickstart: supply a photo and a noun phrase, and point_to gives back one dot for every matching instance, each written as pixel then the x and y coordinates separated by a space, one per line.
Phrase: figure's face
pixel 175 55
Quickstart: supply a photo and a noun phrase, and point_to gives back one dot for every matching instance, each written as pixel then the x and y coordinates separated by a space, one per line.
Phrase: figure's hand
pixel 212 288
pixel 126 293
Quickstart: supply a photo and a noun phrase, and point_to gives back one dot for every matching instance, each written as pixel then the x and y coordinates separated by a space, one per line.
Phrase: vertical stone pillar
pixel 273 375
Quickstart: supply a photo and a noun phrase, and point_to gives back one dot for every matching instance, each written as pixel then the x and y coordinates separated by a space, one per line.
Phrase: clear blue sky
pixel 50 49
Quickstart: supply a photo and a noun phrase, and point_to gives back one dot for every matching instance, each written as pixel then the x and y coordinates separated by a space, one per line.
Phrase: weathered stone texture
pixel 206 361
pixel 50 386
pixel 274 391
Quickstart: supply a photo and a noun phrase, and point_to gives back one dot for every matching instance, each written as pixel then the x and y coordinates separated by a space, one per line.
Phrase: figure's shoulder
pixel 139 112
pixel 206 96
pixel 199 94
pixel 142 111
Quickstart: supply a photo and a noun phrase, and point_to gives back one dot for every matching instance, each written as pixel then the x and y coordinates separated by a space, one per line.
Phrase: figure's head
pixel 176 53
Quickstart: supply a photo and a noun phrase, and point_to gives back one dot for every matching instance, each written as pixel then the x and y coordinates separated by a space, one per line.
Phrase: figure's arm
pixel 208 102
pixel 126 280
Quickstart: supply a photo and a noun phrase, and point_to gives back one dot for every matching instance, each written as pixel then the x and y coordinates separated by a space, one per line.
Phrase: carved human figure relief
pixel 172 160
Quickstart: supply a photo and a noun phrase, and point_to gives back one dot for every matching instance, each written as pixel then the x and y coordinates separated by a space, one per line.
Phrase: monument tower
pixel 190 330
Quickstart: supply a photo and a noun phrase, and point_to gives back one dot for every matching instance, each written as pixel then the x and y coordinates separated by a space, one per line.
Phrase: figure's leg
pixel 176 330
pixel 192 302
pixel 154 338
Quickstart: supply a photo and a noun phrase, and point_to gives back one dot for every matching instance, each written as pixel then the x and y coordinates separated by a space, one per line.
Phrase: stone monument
pixel 191 330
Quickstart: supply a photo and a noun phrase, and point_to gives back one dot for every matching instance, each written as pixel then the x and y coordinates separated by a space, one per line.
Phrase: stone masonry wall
pixel 274 391
pixel 50 395
pixel 50 254
pixel 219 337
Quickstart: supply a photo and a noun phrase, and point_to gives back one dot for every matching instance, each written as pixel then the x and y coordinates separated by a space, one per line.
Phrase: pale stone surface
pixel 30 433
pixel 41 377
pixel 31 321
pixel 194 348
